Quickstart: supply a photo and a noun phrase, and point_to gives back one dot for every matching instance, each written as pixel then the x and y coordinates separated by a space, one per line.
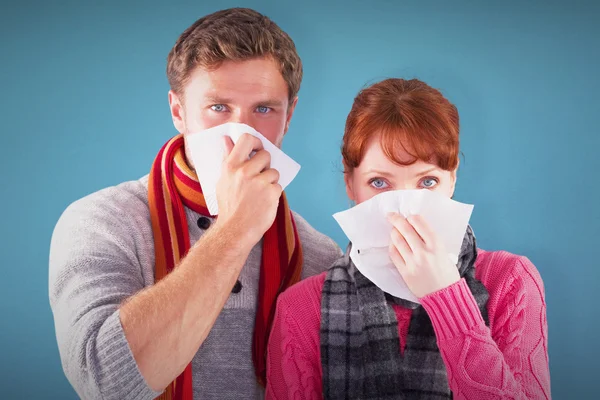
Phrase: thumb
pixel 228 146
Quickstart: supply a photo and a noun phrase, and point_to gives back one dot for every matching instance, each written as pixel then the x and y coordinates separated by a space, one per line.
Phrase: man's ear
pixel 290 112
pixel 177 111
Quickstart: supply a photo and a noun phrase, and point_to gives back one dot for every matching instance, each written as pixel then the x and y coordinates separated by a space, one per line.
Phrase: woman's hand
pixel 420 256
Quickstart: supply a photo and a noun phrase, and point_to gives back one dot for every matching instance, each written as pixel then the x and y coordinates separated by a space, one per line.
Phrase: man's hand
pixel 247 191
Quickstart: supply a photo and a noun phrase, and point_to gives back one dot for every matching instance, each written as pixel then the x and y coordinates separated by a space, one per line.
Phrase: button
pixel 203 223
pixel 237 287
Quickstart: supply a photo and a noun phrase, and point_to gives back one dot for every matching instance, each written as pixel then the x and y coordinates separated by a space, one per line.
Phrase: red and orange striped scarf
pixel 173 186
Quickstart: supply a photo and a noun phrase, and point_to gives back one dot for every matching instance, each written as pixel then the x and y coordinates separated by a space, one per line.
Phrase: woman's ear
pixel 349 188
pixel 453 177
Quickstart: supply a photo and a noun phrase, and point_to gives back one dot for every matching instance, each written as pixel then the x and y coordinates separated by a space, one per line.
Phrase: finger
pixel 245 145
pixel 259 162
pixel 423 229
pixel 228 146
pixel 399 243
pixel 270 175
pixel 407 231
pixel 277 189
pixel 396 258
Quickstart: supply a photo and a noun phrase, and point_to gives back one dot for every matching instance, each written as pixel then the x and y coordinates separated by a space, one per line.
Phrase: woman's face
pixel 377 173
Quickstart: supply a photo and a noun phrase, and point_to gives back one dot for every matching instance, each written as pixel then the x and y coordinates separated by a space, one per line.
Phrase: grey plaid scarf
pixel 360 347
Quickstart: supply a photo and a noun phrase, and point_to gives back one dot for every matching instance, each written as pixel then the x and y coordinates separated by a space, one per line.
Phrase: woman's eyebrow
pixel 378 172
pixel 426 172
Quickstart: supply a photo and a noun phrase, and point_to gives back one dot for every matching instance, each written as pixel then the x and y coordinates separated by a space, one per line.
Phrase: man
pixel 151 295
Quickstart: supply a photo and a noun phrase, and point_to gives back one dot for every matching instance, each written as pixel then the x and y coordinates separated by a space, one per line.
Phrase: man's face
pixel 252 92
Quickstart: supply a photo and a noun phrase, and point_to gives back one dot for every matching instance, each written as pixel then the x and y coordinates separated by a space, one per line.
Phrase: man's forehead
pixel 247 81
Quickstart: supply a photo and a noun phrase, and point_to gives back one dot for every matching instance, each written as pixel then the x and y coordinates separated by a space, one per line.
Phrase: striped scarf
pixel 360 346
pixel 173 186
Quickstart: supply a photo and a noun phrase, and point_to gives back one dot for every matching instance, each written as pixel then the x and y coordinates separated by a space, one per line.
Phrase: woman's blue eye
pixel 429 183
pixel 378 183
pixel 218 107
pixel 262 109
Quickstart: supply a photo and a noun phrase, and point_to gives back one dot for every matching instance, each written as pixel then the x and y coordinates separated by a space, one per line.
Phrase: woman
pixel 480 329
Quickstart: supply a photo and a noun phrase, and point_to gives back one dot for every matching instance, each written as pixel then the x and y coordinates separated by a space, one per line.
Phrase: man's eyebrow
pixel 218 100
pixel 264 103
pixel 269 103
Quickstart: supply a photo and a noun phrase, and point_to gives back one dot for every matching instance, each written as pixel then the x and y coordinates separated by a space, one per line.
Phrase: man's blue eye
pixel 218 107
pixel 262 109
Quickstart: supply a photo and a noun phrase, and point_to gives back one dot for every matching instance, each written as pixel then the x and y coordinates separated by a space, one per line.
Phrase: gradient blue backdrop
pixel 84 106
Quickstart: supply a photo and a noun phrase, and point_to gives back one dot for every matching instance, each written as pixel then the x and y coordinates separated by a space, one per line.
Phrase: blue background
pixel 84 105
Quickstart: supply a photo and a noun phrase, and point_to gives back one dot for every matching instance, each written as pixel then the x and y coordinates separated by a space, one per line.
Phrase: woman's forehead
pixel 376 158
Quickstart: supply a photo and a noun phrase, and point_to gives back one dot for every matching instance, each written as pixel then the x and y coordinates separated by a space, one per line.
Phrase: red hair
pixel 403 114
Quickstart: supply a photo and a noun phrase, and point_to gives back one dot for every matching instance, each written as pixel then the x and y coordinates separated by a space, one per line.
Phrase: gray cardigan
pixel 102 252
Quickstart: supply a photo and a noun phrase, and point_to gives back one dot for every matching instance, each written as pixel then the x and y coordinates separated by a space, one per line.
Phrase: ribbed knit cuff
pixel 118 373
pixel 453 310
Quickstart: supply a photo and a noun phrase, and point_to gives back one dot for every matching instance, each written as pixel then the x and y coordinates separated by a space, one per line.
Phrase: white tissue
pixel 369 231
pixel 206 151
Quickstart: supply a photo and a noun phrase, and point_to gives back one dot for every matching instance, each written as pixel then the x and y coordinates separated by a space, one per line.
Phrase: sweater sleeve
pixel 511 359
pixel 93 269
pixel 293 363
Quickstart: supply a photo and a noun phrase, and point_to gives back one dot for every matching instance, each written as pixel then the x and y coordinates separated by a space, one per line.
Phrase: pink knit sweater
pixel 508 360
